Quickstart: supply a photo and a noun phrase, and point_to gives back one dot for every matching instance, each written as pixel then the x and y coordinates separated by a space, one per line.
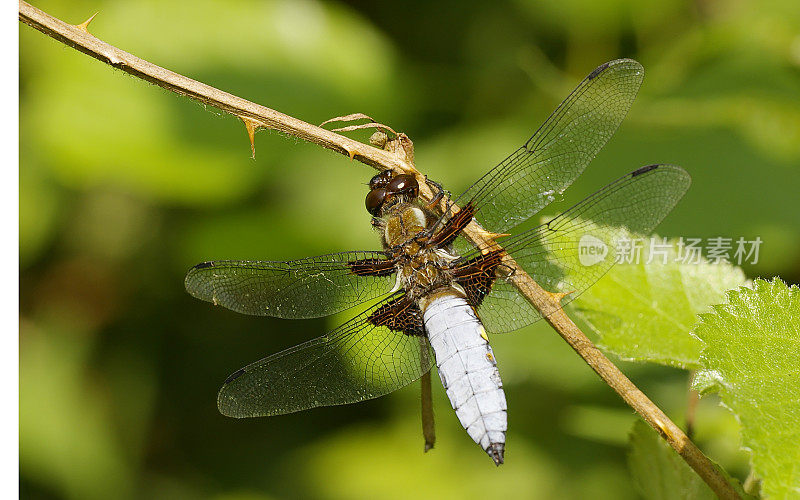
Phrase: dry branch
pixel 254 115
pixel 398 156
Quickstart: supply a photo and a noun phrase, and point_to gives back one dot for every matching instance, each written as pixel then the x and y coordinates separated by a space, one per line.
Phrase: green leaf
pixel 658 471
pixel 645 310
pixel 752 354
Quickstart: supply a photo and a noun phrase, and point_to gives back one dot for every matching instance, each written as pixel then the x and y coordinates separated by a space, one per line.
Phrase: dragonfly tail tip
pixel 496 451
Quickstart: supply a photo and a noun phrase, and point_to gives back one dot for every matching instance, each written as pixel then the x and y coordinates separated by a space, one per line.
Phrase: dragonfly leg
pixel 377 223
pixel 439 190
pixel 507 271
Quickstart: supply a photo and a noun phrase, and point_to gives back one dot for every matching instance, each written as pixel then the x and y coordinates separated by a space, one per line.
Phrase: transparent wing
pixel 572 251
pixel 532 177
pixel 305 288
pixel 354 362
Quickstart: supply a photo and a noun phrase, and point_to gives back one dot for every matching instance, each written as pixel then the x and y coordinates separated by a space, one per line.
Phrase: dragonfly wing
pixel 571 252
pixel 354 362
pixel 548 162
pixel 305 288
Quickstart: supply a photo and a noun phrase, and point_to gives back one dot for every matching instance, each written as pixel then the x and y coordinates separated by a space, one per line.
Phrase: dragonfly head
pixel 387 189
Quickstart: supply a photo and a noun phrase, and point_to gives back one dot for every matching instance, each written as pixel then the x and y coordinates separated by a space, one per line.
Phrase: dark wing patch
pixel 373 267
pixel 477 275
pixel 399 315
pixel 453 226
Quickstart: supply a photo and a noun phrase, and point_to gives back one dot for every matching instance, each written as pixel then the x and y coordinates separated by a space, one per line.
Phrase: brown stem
pixel 637 400
pixel 254 115
pixel 428 427
pixel 398 156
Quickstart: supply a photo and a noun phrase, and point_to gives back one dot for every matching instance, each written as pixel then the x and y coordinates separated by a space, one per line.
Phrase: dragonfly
pixel 430 296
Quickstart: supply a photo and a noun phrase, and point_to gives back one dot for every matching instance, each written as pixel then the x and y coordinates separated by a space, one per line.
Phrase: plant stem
pixel 392 157
pixel 254 115
pixel 428 426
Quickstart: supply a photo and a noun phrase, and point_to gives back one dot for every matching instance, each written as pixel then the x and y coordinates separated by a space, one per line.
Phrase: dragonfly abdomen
pixel 468 371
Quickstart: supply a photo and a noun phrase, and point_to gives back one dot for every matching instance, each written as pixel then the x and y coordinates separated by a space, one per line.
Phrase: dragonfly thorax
pixel 423 268
pixel 425 273
pixel 402 223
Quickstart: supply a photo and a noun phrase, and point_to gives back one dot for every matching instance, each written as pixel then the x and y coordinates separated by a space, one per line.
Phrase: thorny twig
pixel 398 156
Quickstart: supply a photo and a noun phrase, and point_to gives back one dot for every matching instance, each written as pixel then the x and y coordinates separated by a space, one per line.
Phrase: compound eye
pixel 375 200
pixel 380 180
pixel 403 184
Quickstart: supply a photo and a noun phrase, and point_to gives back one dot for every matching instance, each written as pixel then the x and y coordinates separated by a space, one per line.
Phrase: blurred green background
pixel 123 186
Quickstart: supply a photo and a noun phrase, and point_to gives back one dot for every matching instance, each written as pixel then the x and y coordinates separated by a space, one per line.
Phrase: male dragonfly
pixel 438 292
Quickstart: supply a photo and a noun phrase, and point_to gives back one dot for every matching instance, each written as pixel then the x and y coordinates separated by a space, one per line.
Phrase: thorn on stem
pixel 84 26
pixel 352 151
pixel 251 126
pixel 491 235
pixel 663 428
pixel 495 236
pixel 557 296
